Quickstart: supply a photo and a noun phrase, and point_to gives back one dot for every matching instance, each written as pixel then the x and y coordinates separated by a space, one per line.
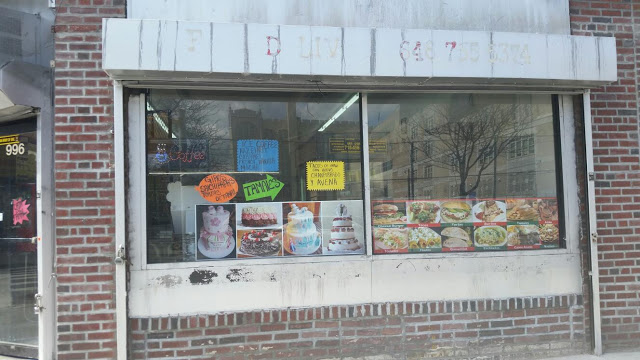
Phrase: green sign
pixel 262 188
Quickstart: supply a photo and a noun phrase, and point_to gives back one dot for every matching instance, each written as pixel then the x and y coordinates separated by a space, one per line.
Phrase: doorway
pixel 18 238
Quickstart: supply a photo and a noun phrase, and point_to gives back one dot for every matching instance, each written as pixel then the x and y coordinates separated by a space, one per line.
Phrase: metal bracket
pixel 37 307
pixel 121 255
pixel 592 176
pixel 594 237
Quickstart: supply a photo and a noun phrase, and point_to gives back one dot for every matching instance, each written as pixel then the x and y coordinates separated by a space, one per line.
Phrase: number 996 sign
pixel 14 149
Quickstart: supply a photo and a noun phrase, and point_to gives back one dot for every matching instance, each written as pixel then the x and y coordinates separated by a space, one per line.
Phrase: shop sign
pixel 325 175
pixel 269 187
pixel 12 145
pixel 218 188
pixel 351 145
pixel 179 154
pixel 257 155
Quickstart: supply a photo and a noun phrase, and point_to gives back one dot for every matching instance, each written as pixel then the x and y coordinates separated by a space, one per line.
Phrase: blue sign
pixel 257 155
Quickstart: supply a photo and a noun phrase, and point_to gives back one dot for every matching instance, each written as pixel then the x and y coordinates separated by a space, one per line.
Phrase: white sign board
pixel 135 48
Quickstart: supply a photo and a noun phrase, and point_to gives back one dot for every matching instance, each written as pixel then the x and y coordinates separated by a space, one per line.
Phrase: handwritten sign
pixel 218 188
pixel 257 155
pixel 325 175
pixel 269 187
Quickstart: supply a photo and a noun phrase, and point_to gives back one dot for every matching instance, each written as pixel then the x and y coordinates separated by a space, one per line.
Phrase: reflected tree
pixel 466 139
pixel 191 118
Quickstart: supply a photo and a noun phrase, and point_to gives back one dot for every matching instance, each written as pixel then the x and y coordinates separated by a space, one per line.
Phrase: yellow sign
pixel 9 139
pixel 325 175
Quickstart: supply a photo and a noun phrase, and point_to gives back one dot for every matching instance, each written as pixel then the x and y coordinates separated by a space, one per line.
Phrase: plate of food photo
pixel 490 211
pixel 455 212
pixel 423 212
pixel 388 214
pixel 456 237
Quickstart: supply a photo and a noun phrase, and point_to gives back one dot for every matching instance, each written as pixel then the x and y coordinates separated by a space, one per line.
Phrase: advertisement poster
pixel 454 225
pixel 259 229
pixel 257 156
pixel 302 228
pixel 216 235
pixel 325 175
pixel 342 227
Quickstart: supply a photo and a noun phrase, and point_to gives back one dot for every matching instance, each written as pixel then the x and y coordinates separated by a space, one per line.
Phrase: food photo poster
pixel 458 225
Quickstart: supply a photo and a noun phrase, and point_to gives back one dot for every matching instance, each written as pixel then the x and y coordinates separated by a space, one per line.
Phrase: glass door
pixel 18 256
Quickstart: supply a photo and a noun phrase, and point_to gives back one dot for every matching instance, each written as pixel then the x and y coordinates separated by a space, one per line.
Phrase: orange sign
pixel 218 188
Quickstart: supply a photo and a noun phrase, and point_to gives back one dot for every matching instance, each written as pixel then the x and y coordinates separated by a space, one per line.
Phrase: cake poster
pixel 302 228
pixel 257 155
pixel 342 227
pixel 325 175
pixel 216 235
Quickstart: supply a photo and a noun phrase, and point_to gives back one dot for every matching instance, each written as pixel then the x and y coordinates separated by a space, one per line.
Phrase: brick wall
pixel 615 142
pixel 84 182
pixel 498 329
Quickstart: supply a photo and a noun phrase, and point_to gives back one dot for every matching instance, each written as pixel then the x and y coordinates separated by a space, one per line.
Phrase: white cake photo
pixel 216 237
pixel 302 236
pixel 342 227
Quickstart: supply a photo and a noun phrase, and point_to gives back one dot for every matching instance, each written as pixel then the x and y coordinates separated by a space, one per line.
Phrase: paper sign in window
pixel 257 155
pixel 325 175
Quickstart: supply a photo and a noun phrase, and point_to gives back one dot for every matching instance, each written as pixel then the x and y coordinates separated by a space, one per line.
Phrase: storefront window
pixel 255 175
pixel 490 181
pixel 247 175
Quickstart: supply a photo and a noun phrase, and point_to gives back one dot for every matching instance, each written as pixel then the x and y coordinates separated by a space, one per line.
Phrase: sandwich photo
pixel 455 211
pixel 456 237
pixel 387 214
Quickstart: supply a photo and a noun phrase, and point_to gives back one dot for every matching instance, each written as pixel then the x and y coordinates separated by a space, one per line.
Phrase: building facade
pixel 345 179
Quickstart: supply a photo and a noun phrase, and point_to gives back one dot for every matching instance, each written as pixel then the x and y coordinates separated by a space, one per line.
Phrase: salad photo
pixel 390 239
pixel 490 236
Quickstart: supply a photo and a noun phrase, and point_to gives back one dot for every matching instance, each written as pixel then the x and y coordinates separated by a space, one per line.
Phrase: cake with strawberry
pixel 261 242
pixel 257 216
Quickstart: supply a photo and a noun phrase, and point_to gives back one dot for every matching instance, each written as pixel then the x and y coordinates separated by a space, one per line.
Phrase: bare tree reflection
pixel 188 118
pixel 466 139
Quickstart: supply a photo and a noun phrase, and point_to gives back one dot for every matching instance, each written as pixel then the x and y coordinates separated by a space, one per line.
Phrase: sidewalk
pixel 634 355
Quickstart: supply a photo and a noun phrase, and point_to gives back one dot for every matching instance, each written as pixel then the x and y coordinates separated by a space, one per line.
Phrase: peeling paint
pixel 169 281
pixel 236 275
pixel 202 277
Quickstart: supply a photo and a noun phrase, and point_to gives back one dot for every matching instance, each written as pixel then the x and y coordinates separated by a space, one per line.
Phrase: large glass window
pixel 245 175
pixel 489 179
pixel 255 174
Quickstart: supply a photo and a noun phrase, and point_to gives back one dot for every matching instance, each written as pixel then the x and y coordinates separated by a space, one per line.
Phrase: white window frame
pixel 395 275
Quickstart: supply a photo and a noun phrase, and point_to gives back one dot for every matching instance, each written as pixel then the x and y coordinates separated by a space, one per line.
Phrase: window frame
pixel 135 143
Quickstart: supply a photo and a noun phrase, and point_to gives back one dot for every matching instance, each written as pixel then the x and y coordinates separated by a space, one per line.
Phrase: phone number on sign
pixel 501 53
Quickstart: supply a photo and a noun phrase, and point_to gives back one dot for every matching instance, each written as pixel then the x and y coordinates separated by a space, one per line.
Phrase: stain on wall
pixel 236 275
pixel 202 277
